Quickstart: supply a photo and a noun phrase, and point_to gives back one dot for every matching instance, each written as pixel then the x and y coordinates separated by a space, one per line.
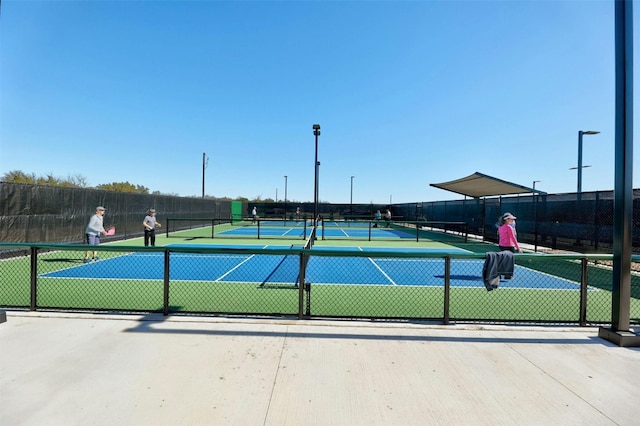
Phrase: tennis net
pixel 312 237
pixel 304 257
pixel 190 227
pixel 394 230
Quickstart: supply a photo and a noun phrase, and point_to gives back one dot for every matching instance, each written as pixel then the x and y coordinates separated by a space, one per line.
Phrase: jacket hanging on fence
pixel 495 265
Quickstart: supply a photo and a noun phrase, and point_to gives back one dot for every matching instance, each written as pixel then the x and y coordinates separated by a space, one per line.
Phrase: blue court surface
pixel 284 269
pixel 252 231
pixel 329 232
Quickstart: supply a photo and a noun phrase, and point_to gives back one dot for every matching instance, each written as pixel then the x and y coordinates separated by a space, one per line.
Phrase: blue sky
pixel 407 93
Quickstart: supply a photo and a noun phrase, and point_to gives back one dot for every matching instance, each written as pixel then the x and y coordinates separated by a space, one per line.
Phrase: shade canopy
pixel 480 185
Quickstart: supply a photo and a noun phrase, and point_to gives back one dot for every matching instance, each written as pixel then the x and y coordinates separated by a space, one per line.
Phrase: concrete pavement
pixel 105 369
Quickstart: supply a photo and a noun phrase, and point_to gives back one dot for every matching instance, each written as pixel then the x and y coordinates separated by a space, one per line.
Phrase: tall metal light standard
pixel 285 197
pixel 351 202
pixel 535 216
pixel 205 162
pixel 580 166
pixel 316 133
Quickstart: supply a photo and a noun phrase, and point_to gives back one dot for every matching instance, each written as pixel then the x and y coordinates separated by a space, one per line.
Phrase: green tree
pixel 123 187
pixel 17 176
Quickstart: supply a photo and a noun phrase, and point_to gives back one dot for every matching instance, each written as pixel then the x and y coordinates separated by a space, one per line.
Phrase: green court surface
pixel 338 271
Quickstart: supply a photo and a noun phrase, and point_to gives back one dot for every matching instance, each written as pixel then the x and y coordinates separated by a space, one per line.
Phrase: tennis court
pixel 275 269
pixel 327 229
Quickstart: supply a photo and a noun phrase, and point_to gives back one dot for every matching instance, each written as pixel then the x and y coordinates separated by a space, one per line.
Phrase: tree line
pixel 75 181
pixel 79 181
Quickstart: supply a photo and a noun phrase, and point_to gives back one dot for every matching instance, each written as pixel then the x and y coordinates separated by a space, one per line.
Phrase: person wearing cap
pixel 506 234
pixel 387 218
pixel 94 229
pixel 150 225
pixel 377 217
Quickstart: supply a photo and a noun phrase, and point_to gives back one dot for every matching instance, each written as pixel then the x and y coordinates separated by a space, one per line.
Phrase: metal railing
pixel 302 283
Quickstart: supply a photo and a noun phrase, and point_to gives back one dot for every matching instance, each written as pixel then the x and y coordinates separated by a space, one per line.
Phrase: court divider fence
pixel 302 283
pixel 577 222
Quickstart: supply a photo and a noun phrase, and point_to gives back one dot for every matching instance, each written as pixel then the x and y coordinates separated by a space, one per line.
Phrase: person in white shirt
pixel 150 223
pixel 92 233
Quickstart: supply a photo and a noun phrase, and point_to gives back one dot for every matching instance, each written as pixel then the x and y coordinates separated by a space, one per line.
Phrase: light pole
pixel 205 162
pixel 535 216
pixel 285 197
pixel 351 202
pixel 580 166
pixel 316 133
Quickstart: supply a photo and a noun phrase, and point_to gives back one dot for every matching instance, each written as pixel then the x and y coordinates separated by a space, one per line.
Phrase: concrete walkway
pixel 102 369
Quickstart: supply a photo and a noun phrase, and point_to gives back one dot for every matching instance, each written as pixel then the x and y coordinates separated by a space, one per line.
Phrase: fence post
pixel 301 285
pixel 34 278
pixel 583 292
pixel 447 287
pixel 307 288
pixel 596 233
pixel 165 303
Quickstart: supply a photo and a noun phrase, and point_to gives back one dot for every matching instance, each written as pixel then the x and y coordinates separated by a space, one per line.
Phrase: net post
pixel 417 232
pixel 370 230
pixel 258 228
pixel 167 228
pixel 213 224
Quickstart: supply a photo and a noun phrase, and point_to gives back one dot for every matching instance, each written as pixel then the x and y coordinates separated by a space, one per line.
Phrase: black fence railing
pixel 52 214
pixel 310 283
pixel 572 222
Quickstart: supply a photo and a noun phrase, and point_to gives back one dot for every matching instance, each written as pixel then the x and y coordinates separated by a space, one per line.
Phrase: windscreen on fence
pixel 37 213
pixel 570 222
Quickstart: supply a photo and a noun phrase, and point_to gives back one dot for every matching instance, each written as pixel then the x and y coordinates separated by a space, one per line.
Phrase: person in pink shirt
pixel 506 235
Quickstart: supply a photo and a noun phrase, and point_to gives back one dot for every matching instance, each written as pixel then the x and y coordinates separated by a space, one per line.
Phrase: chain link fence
pixel 564 222
pixel 558 222
pixel 50 214
pixel 303 283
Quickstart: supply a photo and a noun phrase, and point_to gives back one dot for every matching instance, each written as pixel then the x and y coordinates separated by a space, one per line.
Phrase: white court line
pixel 380 269
pixel 289 230
pixel 234 268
